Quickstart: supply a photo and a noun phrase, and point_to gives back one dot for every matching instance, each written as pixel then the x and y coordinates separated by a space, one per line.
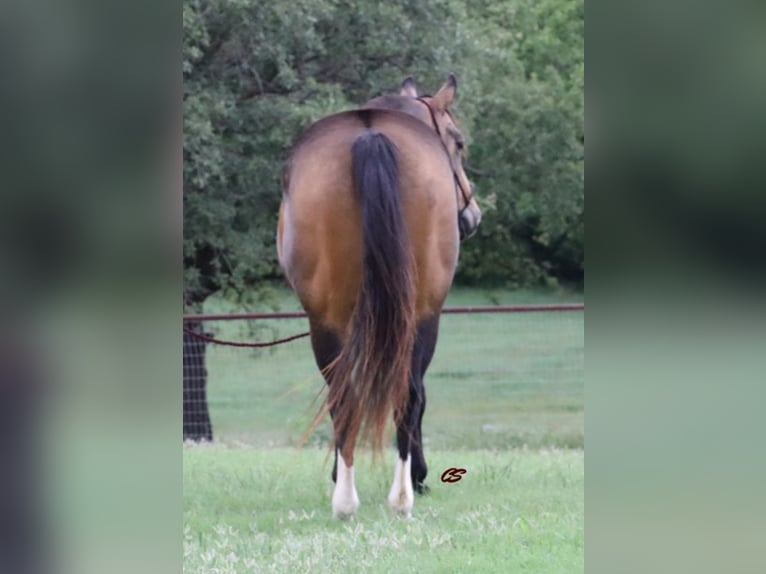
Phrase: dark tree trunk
pixel 197 425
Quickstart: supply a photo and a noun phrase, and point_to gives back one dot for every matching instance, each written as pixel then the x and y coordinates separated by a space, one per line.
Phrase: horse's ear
pixel 408 88
pixel 446 94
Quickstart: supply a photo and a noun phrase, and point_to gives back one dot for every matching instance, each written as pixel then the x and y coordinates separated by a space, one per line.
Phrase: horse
pixel 375 202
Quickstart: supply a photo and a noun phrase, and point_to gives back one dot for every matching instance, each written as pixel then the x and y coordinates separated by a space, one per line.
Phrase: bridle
pixel 467 196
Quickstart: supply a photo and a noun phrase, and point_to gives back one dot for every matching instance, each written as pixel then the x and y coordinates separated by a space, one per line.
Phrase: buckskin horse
pixel 374 205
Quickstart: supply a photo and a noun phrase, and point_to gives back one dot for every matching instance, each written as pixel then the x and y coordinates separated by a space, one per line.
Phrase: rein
pixel 467 196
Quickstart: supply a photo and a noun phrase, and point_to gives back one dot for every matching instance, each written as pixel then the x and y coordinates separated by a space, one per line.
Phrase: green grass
pixel 496 381
pixel 505 400
pixel 268 510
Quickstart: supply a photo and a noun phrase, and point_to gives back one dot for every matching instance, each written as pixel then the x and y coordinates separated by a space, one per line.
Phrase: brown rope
pixel 239 344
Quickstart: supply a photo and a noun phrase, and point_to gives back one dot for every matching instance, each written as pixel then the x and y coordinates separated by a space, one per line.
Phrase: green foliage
pixel 528 138
pixel 257 73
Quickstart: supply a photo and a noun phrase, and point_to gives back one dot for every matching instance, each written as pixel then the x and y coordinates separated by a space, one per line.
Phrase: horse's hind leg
pixel 424 352
pixel 411 469
pixel 327 346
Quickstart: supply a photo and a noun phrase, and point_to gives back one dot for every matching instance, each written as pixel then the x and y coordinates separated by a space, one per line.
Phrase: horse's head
pixel 434 110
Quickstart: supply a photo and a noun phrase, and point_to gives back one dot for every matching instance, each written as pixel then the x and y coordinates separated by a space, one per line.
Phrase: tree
pixel 528 142
pixel 257 73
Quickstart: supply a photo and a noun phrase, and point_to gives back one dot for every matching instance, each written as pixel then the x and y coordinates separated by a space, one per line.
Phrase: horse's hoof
pixel 401 503
pixel 344 509
pixel 344 504
pixel 421 488
pixel 402 510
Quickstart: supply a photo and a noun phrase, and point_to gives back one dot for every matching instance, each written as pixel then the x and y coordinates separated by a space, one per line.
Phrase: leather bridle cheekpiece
pixel 467 196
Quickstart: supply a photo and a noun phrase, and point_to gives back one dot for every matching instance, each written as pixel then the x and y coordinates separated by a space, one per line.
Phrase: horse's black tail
pixel 371 376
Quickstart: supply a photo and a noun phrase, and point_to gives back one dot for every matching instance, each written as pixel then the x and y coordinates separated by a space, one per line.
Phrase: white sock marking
pixel 345 501
pixel 401 498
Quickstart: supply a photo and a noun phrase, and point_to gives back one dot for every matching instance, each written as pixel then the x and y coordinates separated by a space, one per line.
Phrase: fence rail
pixel 516 372
pixel 529 308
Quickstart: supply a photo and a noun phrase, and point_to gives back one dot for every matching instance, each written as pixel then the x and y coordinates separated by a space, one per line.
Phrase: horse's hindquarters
pixel 320 245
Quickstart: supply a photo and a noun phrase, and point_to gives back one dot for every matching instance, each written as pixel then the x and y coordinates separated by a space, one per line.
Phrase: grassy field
pixel 505 401
pixel 268 510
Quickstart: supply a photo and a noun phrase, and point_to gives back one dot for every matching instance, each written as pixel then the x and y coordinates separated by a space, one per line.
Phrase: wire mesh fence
pixel 499 379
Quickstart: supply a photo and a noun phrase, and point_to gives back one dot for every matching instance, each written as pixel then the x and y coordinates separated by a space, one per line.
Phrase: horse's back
pixel 320 230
